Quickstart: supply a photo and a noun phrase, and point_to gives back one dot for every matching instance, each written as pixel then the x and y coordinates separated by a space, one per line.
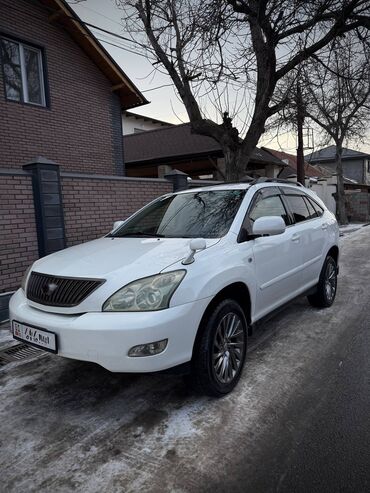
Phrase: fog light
pixel 149 349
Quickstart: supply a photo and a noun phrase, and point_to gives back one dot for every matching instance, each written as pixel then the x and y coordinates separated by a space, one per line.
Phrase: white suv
pixel 183 280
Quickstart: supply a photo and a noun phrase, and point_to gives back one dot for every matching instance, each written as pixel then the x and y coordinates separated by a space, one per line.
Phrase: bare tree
pixel 337 95
pixel 234 54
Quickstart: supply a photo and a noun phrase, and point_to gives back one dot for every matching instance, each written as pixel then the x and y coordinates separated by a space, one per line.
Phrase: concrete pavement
pixel 298 420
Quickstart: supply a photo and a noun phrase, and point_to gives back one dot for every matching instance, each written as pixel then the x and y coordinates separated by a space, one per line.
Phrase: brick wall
pixel 92 205
pixel 79 129
pixel 18 239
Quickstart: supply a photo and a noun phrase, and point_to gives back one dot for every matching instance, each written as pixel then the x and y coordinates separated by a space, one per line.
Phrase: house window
pixel 23 72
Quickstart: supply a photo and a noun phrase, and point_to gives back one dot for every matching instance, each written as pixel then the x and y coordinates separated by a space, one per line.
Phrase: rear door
pixel 309 228
pixel 318 240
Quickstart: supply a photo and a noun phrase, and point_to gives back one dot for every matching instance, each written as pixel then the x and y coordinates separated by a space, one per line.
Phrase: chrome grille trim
pixel 69 291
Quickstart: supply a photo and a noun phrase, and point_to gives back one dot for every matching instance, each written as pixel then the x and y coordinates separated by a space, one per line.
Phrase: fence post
pixel 178 179
pixel 47 196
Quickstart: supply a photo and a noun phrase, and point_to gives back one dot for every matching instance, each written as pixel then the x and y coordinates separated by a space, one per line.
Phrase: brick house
pixel 61 97
pixel 61 93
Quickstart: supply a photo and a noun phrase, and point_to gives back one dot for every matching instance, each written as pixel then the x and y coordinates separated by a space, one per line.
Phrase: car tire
pixel 327 286
pixel 220 351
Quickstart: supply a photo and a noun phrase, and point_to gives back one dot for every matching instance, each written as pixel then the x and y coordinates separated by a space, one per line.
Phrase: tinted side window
pixel 310 207
pixel 268 206
pixel 298 208
pixel 319 210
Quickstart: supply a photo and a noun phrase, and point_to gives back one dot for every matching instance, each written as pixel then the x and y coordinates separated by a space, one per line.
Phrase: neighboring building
pixel 61 93
pixel 156 152
pixel 133 123
pixel 291 169
pixel 322 180
pixel 356 165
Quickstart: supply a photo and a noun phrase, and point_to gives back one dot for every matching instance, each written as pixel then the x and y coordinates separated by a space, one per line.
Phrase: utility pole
pixel 300 122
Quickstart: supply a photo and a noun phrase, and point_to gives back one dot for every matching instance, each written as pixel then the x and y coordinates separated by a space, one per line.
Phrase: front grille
pixel 59 291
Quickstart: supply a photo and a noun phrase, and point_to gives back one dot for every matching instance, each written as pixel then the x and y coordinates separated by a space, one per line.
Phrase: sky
pixel 157 88
pixel 164 103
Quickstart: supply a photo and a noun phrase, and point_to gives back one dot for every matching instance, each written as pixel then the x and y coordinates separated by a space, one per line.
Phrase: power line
pixel 120 47
pixel 145 90
pixel 99 13
pixel 123 38
pixel 92 36
pixel 159 87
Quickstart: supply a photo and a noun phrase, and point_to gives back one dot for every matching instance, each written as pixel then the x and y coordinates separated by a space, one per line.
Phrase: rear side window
pixel 298 207
pixel 268 206
pixel 319 210
pixel 310 207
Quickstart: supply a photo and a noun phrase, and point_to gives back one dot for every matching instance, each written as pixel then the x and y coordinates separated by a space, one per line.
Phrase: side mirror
pixel 195 245
pixel 117 224
pixel 268 225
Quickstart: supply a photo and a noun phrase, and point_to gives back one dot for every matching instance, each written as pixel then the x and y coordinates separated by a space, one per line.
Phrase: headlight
pixel 147 294
pixel 24 278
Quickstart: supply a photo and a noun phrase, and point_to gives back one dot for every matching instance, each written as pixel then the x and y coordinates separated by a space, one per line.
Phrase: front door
pixel 277 258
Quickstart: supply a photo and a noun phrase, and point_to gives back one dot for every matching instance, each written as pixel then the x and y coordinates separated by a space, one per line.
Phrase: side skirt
pixel 252 328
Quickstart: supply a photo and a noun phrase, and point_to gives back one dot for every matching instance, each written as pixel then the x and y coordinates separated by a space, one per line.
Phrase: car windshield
pixel 206 214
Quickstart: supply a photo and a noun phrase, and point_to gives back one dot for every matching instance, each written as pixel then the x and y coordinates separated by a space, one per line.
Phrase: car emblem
pixel 48 289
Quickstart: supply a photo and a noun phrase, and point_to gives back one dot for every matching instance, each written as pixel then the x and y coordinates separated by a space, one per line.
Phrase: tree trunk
pixel 235 164
pixel 301 175
pixel 341 203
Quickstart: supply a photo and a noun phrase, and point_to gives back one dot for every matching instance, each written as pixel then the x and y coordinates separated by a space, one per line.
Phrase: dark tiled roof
pixel 291 161
pixel 177 142
pixel 328 154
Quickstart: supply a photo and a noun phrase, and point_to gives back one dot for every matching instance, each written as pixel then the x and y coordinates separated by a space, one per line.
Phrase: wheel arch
pixel 334 252
pixel 237 291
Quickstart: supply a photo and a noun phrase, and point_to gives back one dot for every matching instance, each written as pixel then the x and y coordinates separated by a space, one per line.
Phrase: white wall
pixel 324 189
pixel 129 124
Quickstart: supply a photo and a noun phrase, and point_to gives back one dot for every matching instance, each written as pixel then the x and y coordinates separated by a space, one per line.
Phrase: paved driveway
pixel 72 426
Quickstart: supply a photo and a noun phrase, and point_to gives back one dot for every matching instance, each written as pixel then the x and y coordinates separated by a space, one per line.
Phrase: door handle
pixel 324 226
pixel 296 237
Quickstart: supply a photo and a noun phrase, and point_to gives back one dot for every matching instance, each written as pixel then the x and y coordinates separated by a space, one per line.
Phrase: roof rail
pixel 243 180
pixel 263 179
pixel 255 181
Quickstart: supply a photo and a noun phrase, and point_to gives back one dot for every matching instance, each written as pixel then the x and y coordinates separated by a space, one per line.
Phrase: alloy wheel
pixel 330 281
pixel 228 348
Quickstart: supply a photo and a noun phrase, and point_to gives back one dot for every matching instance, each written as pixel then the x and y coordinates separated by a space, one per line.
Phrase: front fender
pixel 206 277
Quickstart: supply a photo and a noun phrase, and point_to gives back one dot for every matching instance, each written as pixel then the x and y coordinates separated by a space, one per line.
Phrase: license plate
pixel 40 338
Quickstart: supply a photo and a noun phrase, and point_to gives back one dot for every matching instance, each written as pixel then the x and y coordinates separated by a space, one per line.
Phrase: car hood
pixel 122 258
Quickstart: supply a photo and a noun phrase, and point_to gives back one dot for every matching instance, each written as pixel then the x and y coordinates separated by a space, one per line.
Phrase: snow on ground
pixel 351 228
pixel 73 426
pixel 5 335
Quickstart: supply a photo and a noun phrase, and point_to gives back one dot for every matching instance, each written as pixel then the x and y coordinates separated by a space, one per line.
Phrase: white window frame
pixel 25 95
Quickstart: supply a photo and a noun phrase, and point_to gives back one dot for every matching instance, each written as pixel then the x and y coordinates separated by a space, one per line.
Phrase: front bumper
pixel 105 338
